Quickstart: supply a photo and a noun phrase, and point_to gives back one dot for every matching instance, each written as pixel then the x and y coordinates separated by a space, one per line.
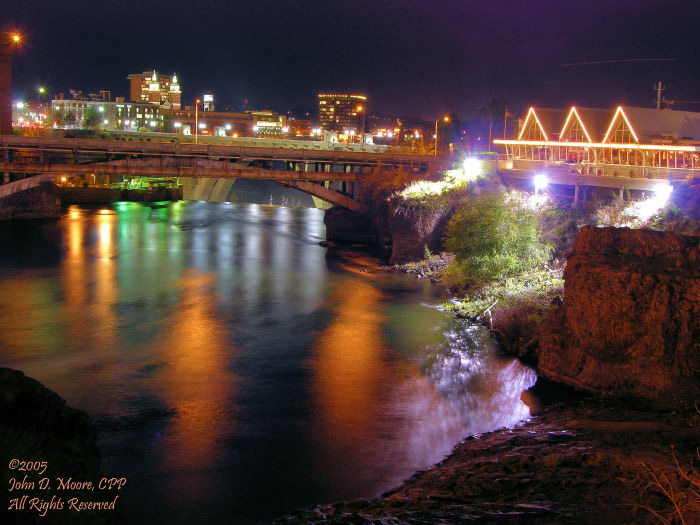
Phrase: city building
pixel 388 129
pixel 156 89
pixel 299 127
pixel 209 122
pixel 269 124
pixel 99 112
pixel 626 141
pixel 342 113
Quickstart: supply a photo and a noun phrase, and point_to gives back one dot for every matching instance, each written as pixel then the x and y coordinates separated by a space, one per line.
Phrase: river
pixel 237 368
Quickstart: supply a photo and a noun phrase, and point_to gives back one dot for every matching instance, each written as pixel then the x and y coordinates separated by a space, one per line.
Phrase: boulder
pixel 630 322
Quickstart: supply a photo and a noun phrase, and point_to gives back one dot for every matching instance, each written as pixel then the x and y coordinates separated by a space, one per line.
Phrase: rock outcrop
pixel 36 425
pixel 413 228
pixel 41 202
pixel 629 325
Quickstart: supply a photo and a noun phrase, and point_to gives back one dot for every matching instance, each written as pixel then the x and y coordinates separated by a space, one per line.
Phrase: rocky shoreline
pixel 584 462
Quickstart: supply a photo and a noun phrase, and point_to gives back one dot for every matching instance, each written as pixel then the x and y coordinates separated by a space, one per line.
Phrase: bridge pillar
pixel 576 190
pixel 622 194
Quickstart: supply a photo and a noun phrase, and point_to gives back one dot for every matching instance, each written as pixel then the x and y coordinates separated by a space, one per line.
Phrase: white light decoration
pixel 390 134
pixel 152 123
pixel 202 125
pixel 20 105
pixel 105 121
pixel 255 128
pixel 177 124
pixel 228 127
pixel 101 109
pixel 541 182
pixel 285 129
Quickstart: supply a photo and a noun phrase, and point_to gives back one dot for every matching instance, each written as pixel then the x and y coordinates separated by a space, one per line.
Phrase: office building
pixel 341 113
pixel 155 89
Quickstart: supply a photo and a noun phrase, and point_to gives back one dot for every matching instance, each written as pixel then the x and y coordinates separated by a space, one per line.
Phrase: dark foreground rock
pixel 629 325
pixel 37 425
pixel 585 464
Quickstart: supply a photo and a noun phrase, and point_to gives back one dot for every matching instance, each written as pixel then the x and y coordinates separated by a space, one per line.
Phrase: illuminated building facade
pixel 341 112
pixel 624 142
pixel 155 89
pixel 227 124
pixel 96 113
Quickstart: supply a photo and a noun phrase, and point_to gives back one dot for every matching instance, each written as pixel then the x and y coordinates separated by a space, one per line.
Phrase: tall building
pixel 155 89
pixel 341 112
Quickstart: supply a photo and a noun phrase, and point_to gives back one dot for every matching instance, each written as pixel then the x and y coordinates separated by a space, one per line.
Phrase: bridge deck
pixel 122 147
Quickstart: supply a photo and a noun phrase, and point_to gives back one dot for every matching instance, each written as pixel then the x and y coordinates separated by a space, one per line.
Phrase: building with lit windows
pixel 94 112
pixel 156 89
pixel 217 123
pixel 622 142
pixel 341 112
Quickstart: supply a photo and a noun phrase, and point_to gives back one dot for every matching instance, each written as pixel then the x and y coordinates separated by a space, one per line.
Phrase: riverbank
pixel 585 462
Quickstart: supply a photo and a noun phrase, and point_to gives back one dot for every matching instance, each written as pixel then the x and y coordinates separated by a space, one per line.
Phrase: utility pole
pixel 659 87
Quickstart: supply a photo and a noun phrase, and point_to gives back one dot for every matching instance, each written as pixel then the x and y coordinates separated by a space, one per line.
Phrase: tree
pixel 92 118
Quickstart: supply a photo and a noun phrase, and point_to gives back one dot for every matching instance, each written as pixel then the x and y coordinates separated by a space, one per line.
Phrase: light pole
pixel 196 120
pixel 362 137
pixel 446 118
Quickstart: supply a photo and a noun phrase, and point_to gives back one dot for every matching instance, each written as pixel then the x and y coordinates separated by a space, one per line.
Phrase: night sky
pixel 410 57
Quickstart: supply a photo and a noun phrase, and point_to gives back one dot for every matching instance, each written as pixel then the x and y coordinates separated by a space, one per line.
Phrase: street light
pixel 196 119
pixel 446 118
pixel 362 138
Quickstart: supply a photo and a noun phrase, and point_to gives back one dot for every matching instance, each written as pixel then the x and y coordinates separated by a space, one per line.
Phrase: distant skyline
pixel 410 57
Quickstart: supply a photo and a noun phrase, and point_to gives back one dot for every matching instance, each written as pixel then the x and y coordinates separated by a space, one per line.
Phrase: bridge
pixel 335 175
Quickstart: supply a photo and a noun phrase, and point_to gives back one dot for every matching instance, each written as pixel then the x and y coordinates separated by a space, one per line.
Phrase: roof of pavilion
pixel 648 124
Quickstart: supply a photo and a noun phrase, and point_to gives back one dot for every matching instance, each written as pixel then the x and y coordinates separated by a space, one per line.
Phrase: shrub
pixel 492 237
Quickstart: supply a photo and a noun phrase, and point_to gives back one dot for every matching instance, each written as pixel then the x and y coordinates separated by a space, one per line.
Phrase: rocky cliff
pixel 629 325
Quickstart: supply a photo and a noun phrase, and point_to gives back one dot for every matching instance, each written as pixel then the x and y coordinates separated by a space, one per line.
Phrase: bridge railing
pixel 603 170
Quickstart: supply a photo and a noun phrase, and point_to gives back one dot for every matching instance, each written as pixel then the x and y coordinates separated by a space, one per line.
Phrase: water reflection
pixel 483 386
pixel 348 366
pixel 196 384
pixel 228 357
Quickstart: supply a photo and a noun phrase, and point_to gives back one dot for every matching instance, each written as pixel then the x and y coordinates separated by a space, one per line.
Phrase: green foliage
pixel 92 118
pixel 535 289
pixel 492 237
pixel 426 252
